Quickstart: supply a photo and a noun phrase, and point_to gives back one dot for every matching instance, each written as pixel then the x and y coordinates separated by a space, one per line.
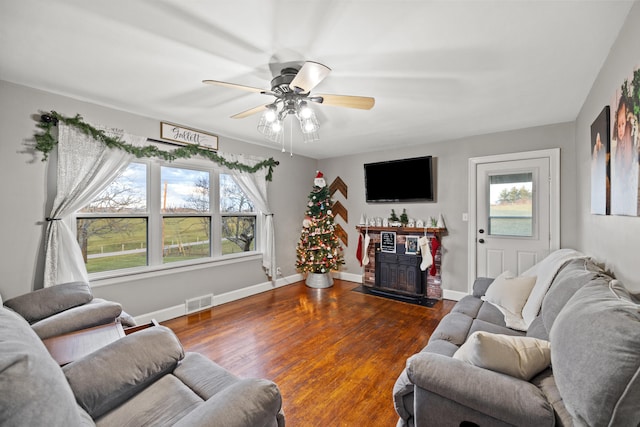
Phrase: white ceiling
pixel 438 69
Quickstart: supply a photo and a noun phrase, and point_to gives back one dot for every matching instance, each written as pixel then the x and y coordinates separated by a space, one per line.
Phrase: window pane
pixel 511 207
pixel 186 238
pixel 126 194
pixel 184 190
pixel 232 198
pixel 238 234
pixel 112 243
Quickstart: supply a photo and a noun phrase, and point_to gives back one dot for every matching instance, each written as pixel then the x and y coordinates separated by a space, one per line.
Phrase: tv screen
pixel 405 180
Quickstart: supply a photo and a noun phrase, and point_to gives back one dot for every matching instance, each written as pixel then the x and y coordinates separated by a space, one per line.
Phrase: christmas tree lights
pixel 319 249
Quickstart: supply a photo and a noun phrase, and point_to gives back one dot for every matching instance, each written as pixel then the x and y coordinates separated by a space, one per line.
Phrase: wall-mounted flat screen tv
pixel 404 180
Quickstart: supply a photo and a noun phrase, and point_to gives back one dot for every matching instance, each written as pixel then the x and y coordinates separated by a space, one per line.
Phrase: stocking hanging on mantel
pixel 435 244
pixel 359 249
pixel 319 249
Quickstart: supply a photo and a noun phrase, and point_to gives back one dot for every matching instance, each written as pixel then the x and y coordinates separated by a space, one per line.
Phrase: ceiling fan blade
pixel 361 102
pixel 235 86
pixel 249 112
pixel 309 76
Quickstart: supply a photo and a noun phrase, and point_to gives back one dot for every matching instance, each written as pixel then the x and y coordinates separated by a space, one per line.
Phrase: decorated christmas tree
pixel 319 250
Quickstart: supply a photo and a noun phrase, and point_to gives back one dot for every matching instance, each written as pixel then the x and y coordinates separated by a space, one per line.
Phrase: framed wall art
pixel 411 245
pixel 388 241
pixel 600 148
pixel 625 143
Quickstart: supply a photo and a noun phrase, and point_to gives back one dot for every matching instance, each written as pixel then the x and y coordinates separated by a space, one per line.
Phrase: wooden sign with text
pixel 183 136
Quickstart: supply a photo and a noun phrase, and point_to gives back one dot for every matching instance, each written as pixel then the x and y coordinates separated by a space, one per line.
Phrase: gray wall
pixel 614 240
pixel 28 189
pixel 451 159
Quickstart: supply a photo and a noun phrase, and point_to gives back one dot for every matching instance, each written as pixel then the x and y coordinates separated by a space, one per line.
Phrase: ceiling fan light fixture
pixel 269 126
pixel 304 110
pixel 292 90
pixel 309 127
pixel 270 114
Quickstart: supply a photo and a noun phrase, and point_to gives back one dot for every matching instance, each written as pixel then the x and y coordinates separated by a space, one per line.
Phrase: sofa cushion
pixel 33 388
pixel 510 293
pixel 520 357
pixel 163 403
pixel 203 376
pixel 596 355
pixel 45 302
pixel 545 271
pixel 572 277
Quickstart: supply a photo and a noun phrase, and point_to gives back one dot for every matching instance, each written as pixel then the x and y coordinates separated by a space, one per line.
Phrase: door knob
pixel 480 240
pixel 481 231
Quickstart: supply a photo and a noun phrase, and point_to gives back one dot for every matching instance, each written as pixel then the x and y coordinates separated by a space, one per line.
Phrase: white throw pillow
pixel 509 294
pixel 519 357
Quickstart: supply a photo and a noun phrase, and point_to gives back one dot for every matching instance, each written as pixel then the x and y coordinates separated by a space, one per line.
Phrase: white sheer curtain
pixel 85 168
pixel 255 186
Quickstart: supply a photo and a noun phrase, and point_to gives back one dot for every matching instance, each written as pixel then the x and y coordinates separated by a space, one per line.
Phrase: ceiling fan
pixel 292 90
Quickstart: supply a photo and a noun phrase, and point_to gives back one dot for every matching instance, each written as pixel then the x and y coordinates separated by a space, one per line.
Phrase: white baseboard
pixel 349 277
pixel 180 310
pixel 162 315
pixel 453 295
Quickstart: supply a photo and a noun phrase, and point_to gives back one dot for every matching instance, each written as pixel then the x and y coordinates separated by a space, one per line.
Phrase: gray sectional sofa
pixel 591 324
pixel 144 378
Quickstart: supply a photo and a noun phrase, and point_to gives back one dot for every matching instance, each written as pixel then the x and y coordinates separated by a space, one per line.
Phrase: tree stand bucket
pixel 319 280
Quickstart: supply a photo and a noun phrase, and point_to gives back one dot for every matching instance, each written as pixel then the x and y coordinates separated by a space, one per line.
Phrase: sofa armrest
pixel 94 313
pixel 480 286
pixel 500 396
pixel 110 376
pixel 248 402
pixel 42 303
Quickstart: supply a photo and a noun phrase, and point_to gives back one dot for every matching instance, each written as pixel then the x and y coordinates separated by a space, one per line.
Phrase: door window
pixel 511 204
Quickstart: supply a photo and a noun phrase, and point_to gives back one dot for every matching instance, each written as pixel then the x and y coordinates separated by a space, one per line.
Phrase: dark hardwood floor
pixel 334 353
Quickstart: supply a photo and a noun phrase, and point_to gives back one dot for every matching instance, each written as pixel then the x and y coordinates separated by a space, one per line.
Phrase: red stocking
pixel 359 250
pixel 435 244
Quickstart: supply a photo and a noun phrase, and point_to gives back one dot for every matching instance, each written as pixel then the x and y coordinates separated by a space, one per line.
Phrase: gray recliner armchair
pixel 144 378
pixel 66 308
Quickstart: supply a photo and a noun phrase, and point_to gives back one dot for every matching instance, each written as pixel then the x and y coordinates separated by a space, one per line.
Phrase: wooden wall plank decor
pixel 338 209
pixel 338 185
pixel 342 234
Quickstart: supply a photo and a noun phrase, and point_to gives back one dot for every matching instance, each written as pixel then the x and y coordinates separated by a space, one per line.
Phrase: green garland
pixel 632 94
pixel 45 143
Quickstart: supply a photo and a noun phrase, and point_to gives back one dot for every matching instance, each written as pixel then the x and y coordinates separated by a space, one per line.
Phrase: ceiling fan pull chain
pixel 291 138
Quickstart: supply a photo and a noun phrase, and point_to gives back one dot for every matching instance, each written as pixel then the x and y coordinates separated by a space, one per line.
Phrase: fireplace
pixel 397 272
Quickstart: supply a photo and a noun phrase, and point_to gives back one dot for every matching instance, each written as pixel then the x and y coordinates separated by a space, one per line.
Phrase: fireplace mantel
pixel 433 285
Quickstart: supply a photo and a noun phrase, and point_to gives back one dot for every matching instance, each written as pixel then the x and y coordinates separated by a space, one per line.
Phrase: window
pixel 186 217
pixel 155 214
pixel 238 218
pixel 511 208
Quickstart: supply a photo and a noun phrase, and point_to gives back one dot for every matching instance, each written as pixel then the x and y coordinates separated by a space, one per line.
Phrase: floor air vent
pixel 199 303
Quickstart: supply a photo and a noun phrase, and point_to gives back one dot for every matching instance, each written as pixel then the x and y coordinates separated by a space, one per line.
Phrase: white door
pixel 515 218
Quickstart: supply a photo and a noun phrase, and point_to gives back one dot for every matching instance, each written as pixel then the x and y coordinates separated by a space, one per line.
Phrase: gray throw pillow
pixel 46 302
pixel 595 354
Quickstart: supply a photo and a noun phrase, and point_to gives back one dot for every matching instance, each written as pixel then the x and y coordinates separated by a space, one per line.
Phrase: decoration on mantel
pixel 46 142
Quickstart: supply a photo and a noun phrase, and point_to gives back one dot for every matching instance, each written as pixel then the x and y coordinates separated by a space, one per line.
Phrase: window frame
pixel 155 217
